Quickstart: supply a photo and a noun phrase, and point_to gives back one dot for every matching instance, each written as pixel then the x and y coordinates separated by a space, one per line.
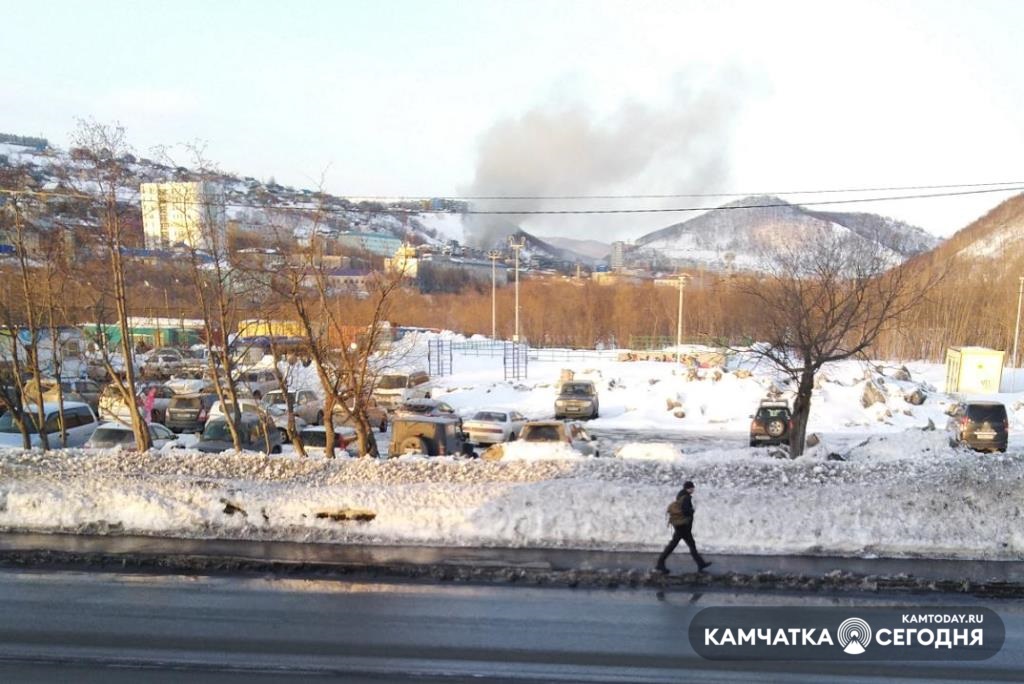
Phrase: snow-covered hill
pixel 734 236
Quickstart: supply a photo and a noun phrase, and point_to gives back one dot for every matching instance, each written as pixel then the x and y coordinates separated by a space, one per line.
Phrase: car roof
pixel 114 425
pixel 338 429
pixel 984 403
pixel 53 406
pixel 540 423
pixel 418 418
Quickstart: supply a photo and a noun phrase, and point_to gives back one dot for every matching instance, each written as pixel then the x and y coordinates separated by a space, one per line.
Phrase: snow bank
pixel 525 451
pixel 903 495
pixel 650 451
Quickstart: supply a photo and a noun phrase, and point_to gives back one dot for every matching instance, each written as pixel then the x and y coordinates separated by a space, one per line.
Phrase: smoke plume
pixel 680 147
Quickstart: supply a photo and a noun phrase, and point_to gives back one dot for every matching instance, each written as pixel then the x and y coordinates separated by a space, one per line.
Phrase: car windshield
pixel 217 431
pixel 981 413
pixel 392 382
pixel 185 402
pixel 768 413
pixel 277 398
pixel 7 424
pixel 541 433
pixel 577 389
pixel 490 416
pixel 108 437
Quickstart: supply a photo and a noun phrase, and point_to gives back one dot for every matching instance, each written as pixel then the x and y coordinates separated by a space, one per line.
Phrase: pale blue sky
pixel 396 98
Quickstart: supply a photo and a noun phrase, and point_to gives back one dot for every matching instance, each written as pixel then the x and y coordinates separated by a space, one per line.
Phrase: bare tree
pixel 825 297
pixel 101 147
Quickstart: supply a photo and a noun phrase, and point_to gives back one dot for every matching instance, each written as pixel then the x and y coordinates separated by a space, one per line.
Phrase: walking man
pixel 680 516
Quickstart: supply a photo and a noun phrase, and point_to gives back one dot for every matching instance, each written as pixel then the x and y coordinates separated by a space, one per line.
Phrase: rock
pixel 916 397
pixel 742 373
pixel 872 395
pixel 692 375
pixel 717 375
pixel 902 373
pixel 654 381
pixel 779 453
pixel 813 439
pixel 671 404
pixel 679 414
pixel 929 427
pixel 834 457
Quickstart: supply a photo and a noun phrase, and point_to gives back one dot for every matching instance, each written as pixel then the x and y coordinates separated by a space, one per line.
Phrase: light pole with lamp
pixel 516 246
pixel 1016 330
pixel 494 255
pixel 682 278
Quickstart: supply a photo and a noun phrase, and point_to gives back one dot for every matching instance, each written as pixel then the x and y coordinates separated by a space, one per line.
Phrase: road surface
pixel 127 628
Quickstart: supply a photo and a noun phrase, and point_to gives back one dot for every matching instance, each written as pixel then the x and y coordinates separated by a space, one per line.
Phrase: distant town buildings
pixel 380 244
pixel 189 214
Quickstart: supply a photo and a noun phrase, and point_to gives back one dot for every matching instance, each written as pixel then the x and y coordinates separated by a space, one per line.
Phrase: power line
pixel 896 188
pixel 983 188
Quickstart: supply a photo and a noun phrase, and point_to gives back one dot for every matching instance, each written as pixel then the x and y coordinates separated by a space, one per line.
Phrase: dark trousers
pixel 684 533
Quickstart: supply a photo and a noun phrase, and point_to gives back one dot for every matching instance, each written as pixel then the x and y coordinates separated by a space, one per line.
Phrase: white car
pixel 493 426
pixel 79 420
pixel 114 435
pixel 247 404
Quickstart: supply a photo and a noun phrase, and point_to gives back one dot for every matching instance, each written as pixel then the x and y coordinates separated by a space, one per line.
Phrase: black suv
pixel 981 425
pixel 771 424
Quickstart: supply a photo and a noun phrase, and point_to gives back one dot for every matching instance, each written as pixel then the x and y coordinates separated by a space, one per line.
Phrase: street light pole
pixel 1016 328
pixel 493 255
pixel 516 246
pixel 679 318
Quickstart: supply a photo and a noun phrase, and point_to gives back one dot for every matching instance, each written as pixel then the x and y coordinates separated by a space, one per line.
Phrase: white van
pixel 394 389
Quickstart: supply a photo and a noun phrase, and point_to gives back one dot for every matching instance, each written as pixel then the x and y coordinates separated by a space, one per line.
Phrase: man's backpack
pixel 675 513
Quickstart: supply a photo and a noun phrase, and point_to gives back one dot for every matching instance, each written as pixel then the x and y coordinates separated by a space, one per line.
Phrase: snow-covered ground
pixel 902 490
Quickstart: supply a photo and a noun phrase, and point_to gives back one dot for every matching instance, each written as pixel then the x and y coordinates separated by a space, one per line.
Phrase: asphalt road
pixel 118 628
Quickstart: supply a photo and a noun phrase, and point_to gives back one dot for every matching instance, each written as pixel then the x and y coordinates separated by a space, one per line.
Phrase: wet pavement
pixel 354 556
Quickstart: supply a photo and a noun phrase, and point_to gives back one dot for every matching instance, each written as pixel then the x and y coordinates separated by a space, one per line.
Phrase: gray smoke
pixel 682 147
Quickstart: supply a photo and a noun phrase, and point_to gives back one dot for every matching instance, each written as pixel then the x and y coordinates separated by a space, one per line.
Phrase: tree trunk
pixel 329 402
pixel 801 413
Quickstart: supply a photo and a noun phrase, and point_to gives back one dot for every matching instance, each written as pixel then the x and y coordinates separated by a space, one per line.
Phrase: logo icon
pixel 854 636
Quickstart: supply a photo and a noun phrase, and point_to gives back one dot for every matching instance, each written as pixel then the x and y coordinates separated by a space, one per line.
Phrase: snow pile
pixel 539 451
pixel 904 495
pixel 650 451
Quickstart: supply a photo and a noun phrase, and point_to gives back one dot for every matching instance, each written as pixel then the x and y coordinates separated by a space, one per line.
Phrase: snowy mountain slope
pixel 732 236
pixel 594 249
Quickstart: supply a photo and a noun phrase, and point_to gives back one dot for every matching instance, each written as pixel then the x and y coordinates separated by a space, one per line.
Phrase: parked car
pixel 259 382
pixel 112 406
pixel 771 424
pixel 185 385
pixel 429 436
pixel 577 399
pixel 306 404
pixel 494 426
pixel 425 407
pixel 189 412
pixel 247 404
pixel 572 434
pixel 377 416
pixel 394 389
pixel 256 432
pixel 84 391
pixel 113 435
pixel 79 420
pixel 314 439
pixel 164 362
pixel 980 425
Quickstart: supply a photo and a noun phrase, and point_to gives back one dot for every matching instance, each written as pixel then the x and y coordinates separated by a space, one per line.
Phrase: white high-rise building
pixel 618 257
pixel 189 214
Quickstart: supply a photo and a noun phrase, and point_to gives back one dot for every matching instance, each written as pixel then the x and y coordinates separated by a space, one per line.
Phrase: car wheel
pixel 276 449
pixel 512 437
pixel 753 443
pixel 776 428
pixel 319 418
pixel 257 395
pixel 383 427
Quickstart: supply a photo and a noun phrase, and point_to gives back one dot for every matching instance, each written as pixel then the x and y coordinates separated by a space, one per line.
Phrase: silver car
pixel 494 426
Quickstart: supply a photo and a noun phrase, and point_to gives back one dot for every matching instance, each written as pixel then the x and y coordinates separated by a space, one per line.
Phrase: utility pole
pixel 494 255
pixel 1016 328
pixel 516 246
pixel 679 317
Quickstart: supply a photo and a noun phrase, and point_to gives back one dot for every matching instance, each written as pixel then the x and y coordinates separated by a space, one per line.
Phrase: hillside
pixel 593 249
pixel 729 237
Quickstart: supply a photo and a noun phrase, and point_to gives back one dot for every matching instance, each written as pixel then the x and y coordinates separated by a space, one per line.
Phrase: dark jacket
pixel 687 501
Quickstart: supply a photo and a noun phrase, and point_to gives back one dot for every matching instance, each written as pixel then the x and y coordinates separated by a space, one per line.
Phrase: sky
pixel 435 99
